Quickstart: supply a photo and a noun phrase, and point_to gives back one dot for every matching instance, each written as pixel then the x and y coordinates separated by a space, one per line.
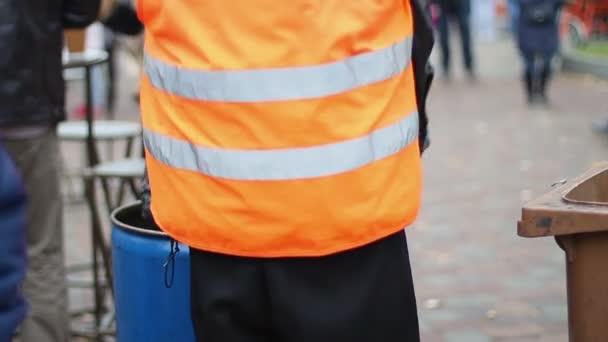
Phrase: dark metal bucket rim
pixel 122 225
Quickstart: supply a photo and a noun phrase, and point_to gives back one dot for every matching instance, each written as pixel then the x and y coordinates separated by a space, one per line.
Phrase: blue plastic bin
pixel 146 310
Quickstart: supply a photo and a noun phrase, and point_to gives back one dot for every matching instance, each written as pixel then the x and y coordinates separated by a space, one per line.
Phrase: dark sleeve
pixel 146 201
pixel 146 198
pixel 124 20
pixel 422 45
pixel 80 13
pixel 12 247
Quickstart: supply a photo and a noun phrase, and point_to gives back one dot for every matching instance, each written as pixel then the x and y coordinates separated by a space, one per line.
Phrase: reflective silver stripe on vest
pixel 284 164
pixel 280 84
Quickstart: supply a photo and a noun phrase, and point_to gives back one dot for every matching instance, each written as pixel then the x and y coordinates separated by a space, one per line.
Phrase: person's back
pixel 31 105
pixel 310 104
pixel 282 147
pixel 537 30
pixel 537 34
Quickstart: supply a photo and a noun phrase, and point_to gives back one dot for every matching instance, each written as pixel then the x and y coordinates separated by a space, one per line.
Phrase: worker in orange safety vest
pixel 283 143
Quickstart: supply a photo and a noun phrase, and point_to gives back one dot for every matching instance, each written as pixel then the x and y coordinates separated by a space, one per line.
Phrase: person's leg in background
pixel 545 75
pixel 464 25
pixel 45 285
pixel 444 38
pixel 528 75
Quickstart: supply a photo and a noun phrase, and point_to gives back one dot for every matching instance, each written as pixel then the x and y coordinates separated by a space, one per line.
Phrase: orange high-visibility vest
pixel 280 128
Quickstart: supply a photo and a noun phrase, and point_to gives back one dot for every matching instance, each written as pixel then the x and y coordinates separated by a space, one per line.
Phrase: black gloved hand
pixel 146 195
pixel 425 142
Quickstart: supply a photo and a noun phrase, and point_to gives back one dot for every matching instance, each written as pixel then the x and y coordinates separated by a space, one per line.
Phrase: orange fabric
pixel 288 218
pixel 265 125
pixel 246 34
pixel 302 217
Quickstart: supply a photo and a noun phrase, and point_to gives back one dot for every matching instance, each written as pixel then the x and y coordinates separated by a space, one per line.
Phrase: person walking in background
pixel 31 105
pixel 513 8
pixel 12 247
pixel 538 42
pixel 460 11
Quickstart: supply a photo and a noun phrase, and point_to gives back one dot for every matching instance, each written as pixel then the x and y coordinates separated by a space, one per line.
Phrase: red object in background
pixel 585 18
pixel 80 112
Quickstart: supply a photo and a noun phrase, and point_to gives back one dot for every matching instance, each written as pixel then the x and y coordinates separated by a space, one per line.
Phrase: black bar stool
pixel 87 132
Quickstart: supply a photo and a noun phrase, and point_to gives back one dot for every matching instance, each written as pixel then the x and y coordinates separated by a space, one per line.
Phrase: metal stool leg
pixel 100 268
pixel 100 253
pixel 97 240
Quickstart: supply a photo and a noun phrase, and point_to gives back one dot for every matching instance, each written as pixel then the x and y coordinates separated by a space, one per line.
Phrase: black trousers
pixel 461 11
pixel 364 294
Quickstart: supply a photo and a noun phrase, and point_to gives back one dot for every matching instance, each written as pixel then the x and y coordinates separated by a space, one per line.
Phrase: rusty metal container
pixel 576 214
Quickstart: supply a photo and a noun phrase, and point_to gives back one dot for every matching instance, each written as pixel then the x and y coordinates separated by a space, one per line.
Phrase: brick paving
pixel 475 279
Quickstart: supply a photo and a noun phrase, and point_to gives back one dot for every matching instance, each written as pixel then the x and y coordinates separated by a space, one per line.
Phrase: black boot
pixel 528 81
pixel 544 79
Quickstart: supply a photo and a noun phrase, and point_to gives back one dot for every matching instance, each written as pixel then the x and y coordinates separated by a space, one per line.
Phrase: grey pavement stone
pixel 557 256
pixel 423 324
pixel 430 337
pixel 466 335
pixel 441 315
pixel 547 273
pixel 481 300
pixel 554 338
pixel 524 283
pixel 477 254
pixel 510 311
pixel 445 281
pixel 555 312
pixel 520 330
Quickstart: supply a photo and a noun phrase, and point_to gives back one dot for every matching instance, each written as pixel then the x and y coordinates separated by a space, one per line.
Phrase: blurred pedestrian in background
pixel 31 105
pixel 513 7
pixel 12 247
pixel 537 37
pixel 460 11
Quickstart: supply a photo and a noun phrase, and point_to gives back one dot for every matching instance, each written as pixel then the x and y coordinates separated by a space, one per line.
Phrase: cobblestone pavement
pixel 475 279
